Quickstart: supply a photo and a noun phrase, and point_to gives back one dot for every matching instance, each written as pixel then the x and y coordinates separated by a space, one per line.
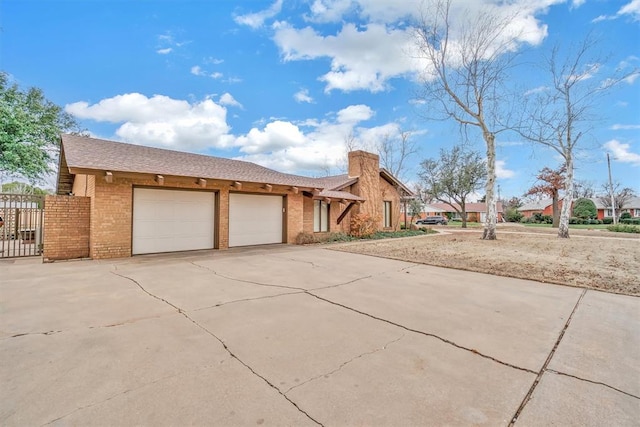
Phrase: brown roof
pixel 336 182
pixel 469 207
pixel 97 154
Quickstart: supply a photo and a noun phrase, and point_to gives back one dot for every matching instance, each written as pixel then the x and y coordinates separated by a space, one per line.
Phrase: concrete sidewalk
pixel 289 335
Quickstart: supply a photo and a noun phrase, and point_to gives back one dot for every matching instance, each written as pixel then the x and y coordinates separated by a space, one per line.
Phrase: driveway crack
pixel 247 299
pixel 224 345
pixel 23 334
pixel 428 334
pixel 527 397
pixel 384 347
pixel 242 280
pixel 593 382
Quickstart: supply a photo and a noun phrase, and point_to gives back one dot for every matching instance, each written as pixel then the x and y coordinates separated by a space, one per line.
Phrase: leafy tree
pixel 551 182
pixel 585 209
pixel 453 177
pixel 512 214
pixel 29 129
pixel 467 64
pixel 16 187
pixel 415 208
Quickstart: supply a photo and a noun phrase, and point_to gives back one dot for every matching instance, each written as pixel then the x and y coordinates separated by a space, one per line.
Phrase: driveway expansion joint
pixel 527 396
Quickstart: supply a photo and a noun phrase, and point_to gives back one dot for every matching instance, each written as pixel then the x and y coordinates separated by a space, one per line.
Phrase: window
pixel 386 214
pixel 320 216
pixel 609 212
pixel 636 212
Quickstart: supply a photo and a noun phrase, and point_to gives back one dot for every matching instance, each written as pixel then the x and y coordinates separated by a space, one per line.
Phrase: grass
pixel 308 238
pixel 576 226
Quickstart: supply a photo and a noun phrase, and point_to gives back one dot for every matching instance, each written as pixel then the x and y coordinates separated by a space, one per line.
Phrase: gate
pixel 22 224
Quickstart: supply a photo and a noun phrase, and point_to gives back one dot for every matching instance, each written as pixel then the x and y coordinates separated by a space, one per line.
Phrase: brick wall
pixel 66 227
pixel 366 166
pixel 389 194
pixel 112 210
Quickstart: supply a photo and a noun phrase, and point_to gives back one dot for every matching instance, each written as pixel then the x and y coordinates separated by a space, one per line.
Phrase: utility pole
pixel 613 207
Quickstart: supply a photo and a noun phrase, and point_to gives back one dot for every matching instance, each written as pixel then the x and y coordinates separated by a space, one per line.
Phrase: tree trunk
pixel 563 228
pixel 554 210
pixel 492 215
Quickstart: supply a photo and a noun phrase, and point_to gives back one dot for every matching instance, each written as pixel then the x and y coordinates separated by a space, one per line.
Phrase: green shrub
pixel 574 220
pixel 625 215
pixel 584 208
pixel 631 221
pixel 512 215
pixel 624 228
pixel 607 220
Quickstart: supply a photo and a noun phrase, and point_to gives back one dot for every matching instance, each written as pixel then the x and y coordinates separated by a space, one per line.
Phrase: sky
pixel 284 83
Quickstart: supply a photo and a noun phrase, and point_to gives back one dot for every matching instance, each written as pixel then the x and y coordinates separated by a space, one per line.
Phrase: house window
pixel 320 216
pixel 609 213
pixel 386 214
pixel 636 212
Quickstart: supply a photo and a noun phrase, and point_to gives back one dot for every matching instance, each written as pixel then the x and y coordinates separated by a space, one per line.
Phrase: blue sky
pixel 283 83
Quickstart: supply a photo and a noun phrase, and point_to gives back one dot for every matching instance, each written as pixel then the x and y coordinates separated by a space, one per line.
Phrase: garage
pixel 172 220
pixel 255 219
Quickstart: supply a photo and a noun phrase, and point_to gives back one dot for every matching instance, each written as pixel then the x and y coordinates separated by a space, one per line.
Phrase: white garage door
pixel 254 219
pixel 172 220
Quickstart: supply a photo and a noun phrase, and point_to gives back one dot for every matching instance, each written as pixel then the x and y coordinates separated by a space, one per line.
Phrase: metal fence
pixel 22 223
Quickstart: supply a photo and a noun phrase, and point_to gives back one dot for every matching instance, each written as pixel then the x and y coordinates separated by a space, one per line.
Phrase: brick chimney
pixel 366 166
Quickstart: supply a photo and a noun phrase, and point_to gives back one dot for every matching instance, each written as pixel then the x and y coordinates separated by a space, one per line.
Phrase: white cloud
pixel 360 59
pixel 197 71
pixel 367 56
pixel 303 96
pixel 624 127
pixel 577 3
pixel 256 20
pixel 216 75
pixel 502 171
pixel 322 147
pixel 167 43
pixel 309 146
pixel 160 120
pixel 535 90
pixel 228 99
pixel 621 152
pixel 632 8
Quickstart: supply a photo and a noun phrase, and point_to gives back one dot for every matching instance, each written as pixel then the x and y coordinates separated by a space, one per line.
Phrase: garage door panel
pixel 255 219
pixel 172 220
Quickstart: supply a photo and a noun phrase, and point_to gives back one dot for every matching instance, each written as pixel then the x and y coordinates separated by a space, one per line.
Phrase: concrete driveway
pixel 290 335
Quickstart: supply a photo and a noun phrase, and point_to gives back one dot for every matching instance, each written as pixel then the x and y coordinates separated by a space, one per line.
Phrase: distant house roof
pixel 536 205
pixel 469 207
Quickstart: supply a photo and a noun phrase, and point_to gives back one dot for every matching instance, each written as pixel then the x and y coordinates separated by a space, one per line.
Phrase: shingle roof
pixel 469 207
pixel 336 182
pixel 536 205
pixel 98 154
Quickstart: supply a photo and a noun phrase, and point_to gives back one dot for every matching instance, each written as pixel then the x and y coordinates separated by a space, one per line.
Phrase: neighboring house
pixel 150 200
pixel 476 212
pixel 632 207
pixel 544 207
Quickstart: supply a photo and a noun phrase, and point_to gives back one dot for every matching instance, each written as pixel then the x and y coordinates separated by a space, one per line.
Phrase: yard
pixel 592 259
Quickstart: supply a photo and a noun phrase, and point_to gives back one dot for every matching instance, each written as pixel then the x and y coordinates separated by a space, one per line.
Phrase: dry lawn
pixel 590 259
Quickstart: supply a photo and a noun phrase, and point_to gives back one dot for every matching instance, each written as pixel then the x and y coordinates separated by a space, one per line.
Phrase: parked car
pixel 441 220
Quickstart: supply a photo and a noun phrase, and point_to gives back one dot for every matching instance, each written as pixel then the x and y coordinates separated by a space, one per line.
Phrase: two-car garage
pixel 182 220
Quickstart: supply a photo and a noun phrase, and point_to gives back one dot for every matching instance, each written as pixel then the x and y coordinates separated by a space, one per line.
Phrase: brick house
pixel 476 212
pixel 148 200
pixel 544 207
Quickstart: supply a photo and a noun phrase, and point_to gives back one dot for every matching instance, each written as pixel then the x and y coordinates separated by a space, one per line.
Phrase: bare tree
pixel 395 151
pixel 560 117
pixel 583 189
pixel 620 197
pixel 453 177
pixel 464 77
